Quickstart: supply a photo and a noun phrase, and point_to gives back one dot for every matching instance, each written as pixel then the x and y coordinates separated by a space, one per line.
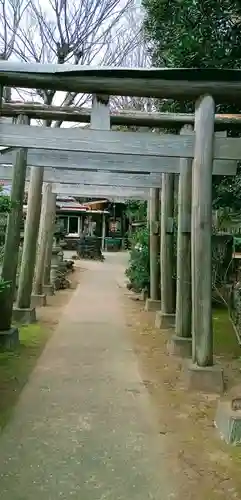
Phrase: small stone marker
pixel 236 404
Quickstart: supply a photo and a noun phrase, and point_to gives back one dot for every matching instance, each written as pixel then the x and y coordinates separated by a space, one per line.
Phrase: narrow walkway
pixel 83 427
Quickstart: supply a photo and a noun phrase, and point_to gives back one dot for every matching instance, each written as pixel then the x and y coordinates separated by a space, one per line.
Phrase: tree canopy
pixel 194 33
pixel 197 34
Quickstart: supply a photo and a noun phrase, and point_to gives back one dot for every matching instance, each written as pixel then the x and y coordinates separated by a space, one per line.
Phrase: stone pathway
pixel 84 427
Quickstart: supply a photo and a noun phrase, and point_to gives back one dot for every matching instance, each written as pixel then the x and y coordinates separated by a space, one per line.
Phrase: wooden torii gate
pixel 177 84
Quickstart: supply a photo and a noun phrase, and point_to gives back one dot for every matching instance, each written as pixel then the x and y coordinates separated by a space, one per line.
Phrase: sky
pixel 123 32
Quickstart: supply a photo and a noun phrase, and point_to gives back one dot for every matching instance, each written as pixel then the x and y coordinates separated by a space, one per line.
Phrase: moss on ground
pixel 16 366
pixel 225 339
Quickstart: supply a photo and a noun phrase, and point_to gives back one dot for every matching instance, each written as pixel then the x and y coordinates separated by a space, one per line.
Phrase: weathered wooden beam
pixel 154 244
pixel 118 199
pixel 63 160
pixel 201 234
pixel 149 82
pixel 112 142
pixel 111 192
pixel 45 224
pixel 12 241
pixel 183 327
pixel 49 246
pixel 31 230
pixel 124 117
pixel 167 246
pixel 103 232
pixel 100 113
pixel 104 191
pixel 93 178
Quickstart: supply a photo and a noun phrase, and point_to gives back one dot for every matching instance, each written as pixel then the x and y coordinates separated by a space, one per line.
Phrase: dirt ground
pixel 16 366
pixel 206 466
pixel 49 315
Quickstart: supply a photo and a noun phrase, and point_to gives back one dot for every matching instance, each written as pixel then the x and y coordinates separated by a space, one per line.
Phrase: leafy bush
pixel 5 202
pixel 5 207
pixel 4 284
pixel 138 270
pixel 136 210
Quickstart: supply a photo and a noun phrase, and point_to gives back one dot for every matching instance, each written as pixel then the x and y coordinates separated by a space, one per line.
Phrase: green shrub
pixel 138 270
pixel 5 207
pixel 4 285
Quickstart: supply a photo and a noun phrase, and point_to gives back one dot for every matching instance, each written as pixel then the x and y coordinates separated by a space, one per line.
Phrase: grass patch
pixel 16 366
pixel 225 340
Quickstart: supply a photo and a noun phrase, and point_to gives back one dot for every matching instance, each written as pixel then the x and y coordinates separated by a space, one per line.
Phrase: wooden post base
pixel 9 338
pixel 38 300
pixel 25 316
pixel 152 305
pixel 180 346
pixel 164 321
pixel 205 378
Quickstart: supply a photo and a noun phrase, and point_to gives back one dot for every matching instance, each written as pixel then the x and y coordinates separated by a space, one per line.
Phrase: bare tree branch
pixel 90 32
pixel 137 57
pixel 11 12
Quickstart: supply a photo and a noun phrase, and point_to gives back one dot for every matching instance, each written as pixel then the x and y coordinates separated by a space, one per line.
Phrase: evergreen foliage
pixel 198 34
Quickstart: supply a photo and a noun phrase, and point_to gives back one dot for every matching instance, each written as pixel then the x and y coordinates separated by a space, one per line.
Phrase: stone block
pixel 24 316
pixel 180 346
pixel 164 321
pixel 38 300
pixel 228 423
pixel 205 378
pixel 48 290
pixel 152 305
pixel 9 338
